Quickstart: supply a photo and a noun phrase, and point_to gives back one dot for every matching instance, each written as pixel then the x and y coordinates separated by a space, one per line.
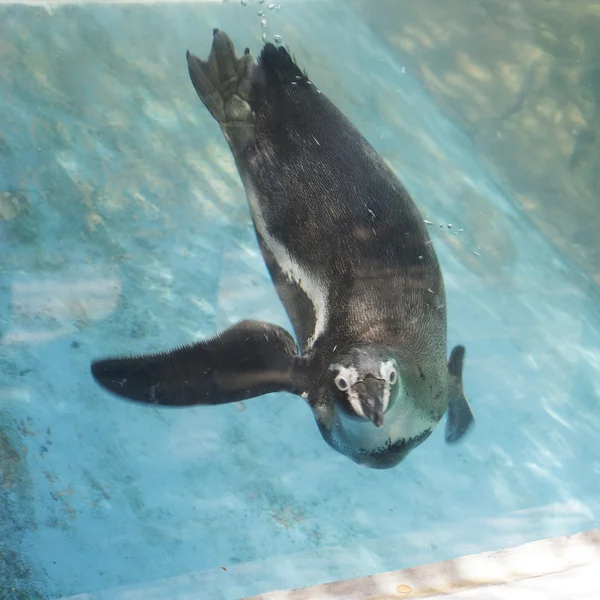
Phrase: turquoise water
pixel 124 228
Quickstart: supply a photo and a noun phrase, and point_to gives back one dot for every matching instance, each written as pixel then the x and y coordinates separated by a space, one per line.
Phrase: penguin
pixel 351 260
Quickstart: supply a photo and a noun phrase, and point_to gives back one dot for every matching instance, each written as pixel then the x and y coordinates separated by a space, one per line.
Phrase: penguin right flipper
pixel 460 418
pixel 249 359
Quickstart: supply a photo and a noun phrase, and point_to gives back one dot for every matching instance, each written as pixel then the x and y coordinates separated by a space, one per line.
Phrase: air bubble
pixel 261 13
pixel 264 37
pixel 277 39
pixel 272 6
pixel 244 2
pixel 263 22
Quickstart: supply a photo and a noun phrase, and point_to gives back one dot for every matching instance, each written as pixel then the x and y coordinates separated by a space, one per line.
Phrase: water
pixel 124 228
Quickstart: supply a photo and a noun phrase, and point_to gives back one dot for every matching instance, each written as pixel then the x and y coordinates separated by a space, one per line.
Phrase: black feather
pixel 279 67
pixel 247 360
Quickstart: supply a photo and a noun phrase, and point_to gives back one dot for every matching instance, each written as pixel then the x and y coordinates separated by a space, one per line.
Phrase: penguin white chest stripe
pixel 315 290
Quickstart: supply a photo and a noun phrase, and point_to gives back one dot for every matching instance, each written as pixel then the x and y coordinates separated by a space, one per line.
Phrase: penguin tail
pixel 224 82
pixel 247 360
pixel 460 418
pixel 278 68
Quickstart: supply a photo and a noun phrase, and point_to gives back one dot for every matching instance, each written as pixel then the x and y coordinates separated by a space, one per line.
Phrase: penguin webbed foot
pixel 460 417
pixel 223 82
pixel 247 360
pixel 199 72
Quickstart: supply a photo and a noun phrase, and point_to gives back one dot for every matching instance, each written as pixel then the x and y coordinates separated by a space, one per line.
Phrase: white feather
pixel 350 374
pixel 315 289
pixel 384 370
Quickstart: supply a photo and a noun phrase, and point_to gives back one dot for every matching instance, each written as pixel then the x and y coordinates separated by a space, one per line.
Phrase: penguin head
pixel 365 382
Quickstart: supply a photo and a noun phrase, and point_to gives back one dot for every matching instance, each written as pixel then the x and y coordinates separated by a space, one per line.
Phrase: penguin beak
pixel 370 394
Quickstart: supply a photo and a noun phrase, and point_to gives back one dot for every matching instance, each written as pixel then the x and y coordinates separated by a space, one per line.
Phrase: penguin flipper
pixel 249 359
pixel 460 418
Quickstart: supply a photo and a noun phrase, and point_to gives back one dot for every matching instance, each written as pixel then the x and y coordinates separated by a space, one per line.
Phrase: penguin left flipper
pixel 249 359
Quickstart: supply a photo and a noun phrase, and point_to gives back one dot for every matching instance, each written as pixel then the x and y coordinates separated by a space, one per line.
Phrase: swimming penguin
pixel 352 262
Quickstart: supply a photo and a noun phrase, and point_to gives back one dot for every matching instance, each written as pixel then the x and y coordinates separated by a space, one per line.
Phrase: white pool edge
pixel 495 574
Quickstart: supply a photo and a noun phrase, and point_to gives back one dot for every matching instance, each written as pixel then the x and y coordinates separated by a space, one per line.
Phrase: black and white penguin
pixel 351 260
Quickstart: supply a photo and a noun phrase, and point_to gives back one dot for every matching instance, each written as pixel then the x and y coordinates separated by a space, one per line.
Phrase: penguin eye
pixel 392 376
pixel 341 383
